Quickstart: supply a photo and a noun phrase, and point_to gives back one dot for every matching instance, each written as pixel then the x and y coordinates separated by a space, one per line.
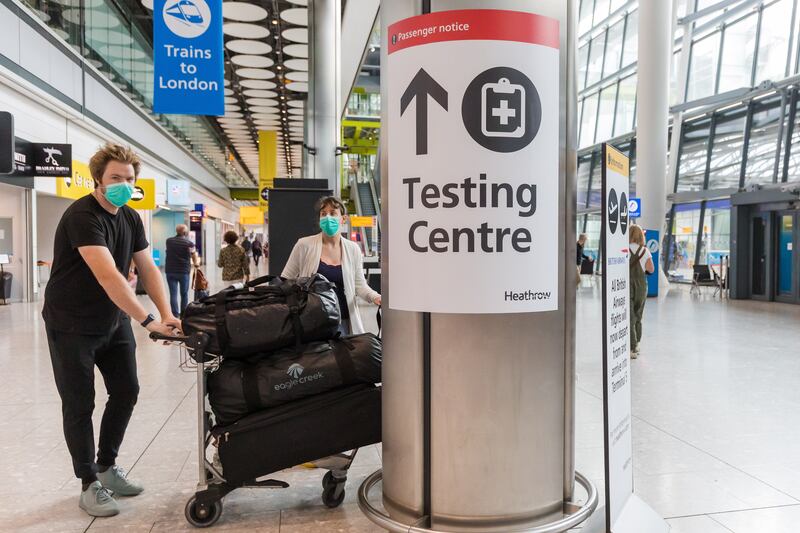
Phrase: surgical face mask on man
pixel 118 194
pixel 329 225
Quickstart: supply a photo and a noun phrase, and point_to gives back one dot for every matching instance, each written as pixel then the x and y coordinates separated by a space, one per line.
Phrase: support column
pixel 323 117
pixel 652 108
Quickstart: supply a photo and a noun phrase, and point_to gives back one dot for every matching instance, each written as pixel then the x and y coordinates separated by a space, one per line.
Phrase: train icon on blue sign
pixel 185 11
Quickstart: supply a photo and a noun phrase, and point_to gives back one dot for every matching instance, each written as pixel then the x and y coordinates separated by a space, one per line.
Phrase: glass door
pixel 758 257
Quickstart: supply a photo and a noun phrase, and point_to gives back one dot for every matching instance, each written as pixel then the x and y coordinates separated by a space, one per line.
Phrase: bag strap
pixel 343 360
pixel 260 281
pixel 292 292
pixel 379 317
pixel 252 396
pixel 219 319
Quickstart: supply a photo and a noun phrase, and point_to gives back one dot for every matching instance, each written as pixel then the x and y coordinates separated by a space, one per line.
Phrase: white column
pixel 652 108
pixel 322 111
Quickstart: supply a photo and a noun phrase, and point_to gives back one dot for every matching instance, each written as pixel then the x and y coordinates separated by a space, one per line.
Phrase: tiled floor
pixel 717 421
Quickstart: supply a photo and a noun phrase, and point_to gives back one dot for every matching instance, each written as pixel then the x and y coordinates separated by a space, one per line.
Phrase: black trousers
pixel 74 357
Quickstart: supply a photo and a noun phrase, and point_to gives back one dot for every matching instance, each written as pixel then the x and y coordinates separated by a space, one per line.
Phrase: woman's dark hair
pixel 230 237
pixel 332 202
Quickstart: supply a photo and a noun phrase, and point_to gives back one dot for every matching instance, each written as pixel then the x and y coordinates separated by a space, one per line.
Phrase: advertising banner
pixel 652 238
pixel 474 162
pixel 188 57
pixel 267 165
pixel 616 339
pixel 78 185
pixel 42 159
pixel 178 192
pixel 362 222
pixel 250 215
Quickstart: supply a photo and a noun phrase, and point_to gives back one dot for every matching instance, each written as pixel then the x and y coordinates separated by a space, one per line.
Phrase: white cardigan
pixel 304 262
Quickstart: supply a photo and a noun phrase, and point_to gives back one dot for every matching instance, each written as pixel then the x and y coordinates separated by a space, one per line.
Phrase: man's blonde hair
pixel 112 152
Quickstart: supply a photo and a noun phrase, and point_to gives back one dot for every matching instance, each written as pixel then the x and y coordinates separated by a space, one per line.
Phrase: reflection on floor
pixel 717 419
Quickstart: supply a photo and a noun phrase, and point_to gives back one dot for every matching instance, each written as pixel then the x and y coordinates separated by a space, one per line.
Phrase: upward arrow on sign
pixel 420 87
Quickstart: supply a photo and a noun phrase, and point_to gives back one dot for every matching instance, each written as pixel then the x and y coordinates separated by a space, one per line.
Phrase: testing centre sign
pixel 473 224
pixel 188 57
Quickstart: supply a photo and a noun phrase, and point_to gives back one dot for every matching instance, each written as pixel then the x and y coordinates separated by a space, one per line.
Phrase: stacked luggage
pixel 288 388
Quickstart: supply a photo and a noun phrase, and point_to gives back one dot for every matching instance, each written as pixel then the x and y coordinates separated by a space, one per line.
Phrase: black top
pixel 581 255
pixel 74 301
pixel 179 255
pixel 334 275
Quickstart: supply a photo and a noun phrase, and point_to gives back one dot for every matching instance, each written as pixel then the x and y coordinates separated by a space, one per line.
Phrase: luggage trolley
pixel 204 508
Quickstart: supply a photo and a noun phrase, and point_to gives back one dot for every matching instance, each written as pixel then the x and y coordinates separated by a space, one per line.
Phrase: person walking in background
pixel 258 250
pixel 247 246
pixel 581 256
pixel 181 256
pixel 233 260
pixel 640 261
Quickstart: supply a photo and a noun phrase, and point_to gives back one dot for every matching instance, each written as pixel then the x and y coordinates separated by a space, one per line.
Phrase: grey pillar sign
pixel 479 157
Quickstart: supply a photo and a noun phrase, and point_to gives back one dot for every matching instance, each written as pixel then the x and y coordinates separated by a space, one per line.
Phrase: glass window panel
pixel 588 120
pixel 703 67
pixel 583 60
pixel 616 4
pixel 592 246
pixel 694 155
pixel 630 49
pixel 595 69
pixel 600 10
pixel 738 53
pixel 715 241
pixel 597 180
pixel 605 114
pixel 763 142
pixel 684 241
pixel 632 169
pixel 584 167
pixel 774 41
pixel 793 167
pixel 613 48
pixel 726 152
pixel 626 106
pixel 585 17
pixel 674 96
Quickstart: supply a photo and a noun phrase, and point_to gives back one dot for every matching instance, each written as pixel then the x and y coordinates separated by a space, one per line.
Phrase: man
pixel 181 256
pixel 87 312
pixel 248 247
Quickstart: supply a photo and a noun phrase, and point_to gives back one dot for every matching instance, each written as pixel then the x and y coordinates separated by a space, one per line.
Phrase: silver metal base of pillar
pixel 577 513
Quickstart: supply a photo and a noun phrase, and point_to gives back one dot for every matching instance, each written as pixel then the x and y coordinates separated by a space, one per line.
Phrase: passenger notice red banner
pixel 474 25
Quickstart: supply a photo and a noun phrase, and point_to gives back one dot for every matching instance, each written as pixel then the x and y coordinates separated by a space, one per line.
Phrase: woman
pixel 257 250
pixel 640 261
pixel 338 259
pixel 233 260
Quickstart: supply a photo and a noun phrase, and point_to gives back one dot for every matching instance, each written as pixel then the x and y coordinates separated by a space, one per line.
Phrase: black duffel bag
pixel 240 387
pixel 269 313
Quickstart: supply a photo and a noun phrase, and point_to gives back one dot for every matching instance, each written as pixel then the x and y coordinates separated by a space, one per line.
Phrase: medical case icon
pixel 503 109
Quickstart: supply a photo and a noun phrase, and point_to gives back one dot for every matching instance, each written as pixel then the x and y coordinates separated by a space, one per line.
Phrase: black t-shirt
pixel 179 255
pixel 74 301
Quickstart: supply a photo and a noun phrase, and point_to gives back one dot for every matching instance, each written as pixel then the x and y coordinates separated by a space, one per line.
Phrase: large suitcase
pixel 298 432
pixel 269 313
pixel 239 387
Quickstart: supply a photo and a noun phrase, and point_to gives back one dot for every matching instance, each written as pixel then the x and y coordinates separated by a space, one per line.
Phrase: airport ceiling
pixel 266 78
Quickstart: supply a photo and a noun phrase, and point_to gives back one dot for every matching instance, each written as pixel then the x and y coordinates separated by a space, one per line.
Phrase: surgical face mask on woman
pixel 118 194
pixel 329 225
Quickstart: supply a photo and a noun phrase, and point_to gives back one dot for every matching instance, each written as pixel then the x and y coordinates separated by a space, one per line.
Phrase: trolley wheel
pixel 333 492
pixel 202 515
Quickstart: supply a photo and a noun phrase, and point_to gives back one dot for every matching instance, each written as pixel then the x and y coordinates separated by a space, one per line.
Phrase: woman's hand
pixel 377 300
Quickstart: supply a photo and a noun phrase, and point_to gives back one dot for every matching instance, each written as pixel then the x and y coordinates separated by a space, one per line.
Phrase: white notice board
pixel 616 339
pixel 473 148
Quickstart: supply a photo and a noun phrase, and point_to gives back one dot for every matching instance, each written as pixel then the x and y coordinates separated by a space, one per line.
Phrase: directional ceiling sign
pixel 473 147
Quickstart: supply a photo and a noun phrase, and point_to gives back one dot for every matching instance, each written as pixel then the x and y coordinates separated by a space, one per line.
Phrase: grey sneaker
pixel 115 479
pixel 97 501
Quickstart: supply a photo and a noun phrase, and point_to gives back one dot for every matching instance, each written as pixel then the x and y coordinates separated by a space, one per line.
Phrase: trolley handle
pixel 160 337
